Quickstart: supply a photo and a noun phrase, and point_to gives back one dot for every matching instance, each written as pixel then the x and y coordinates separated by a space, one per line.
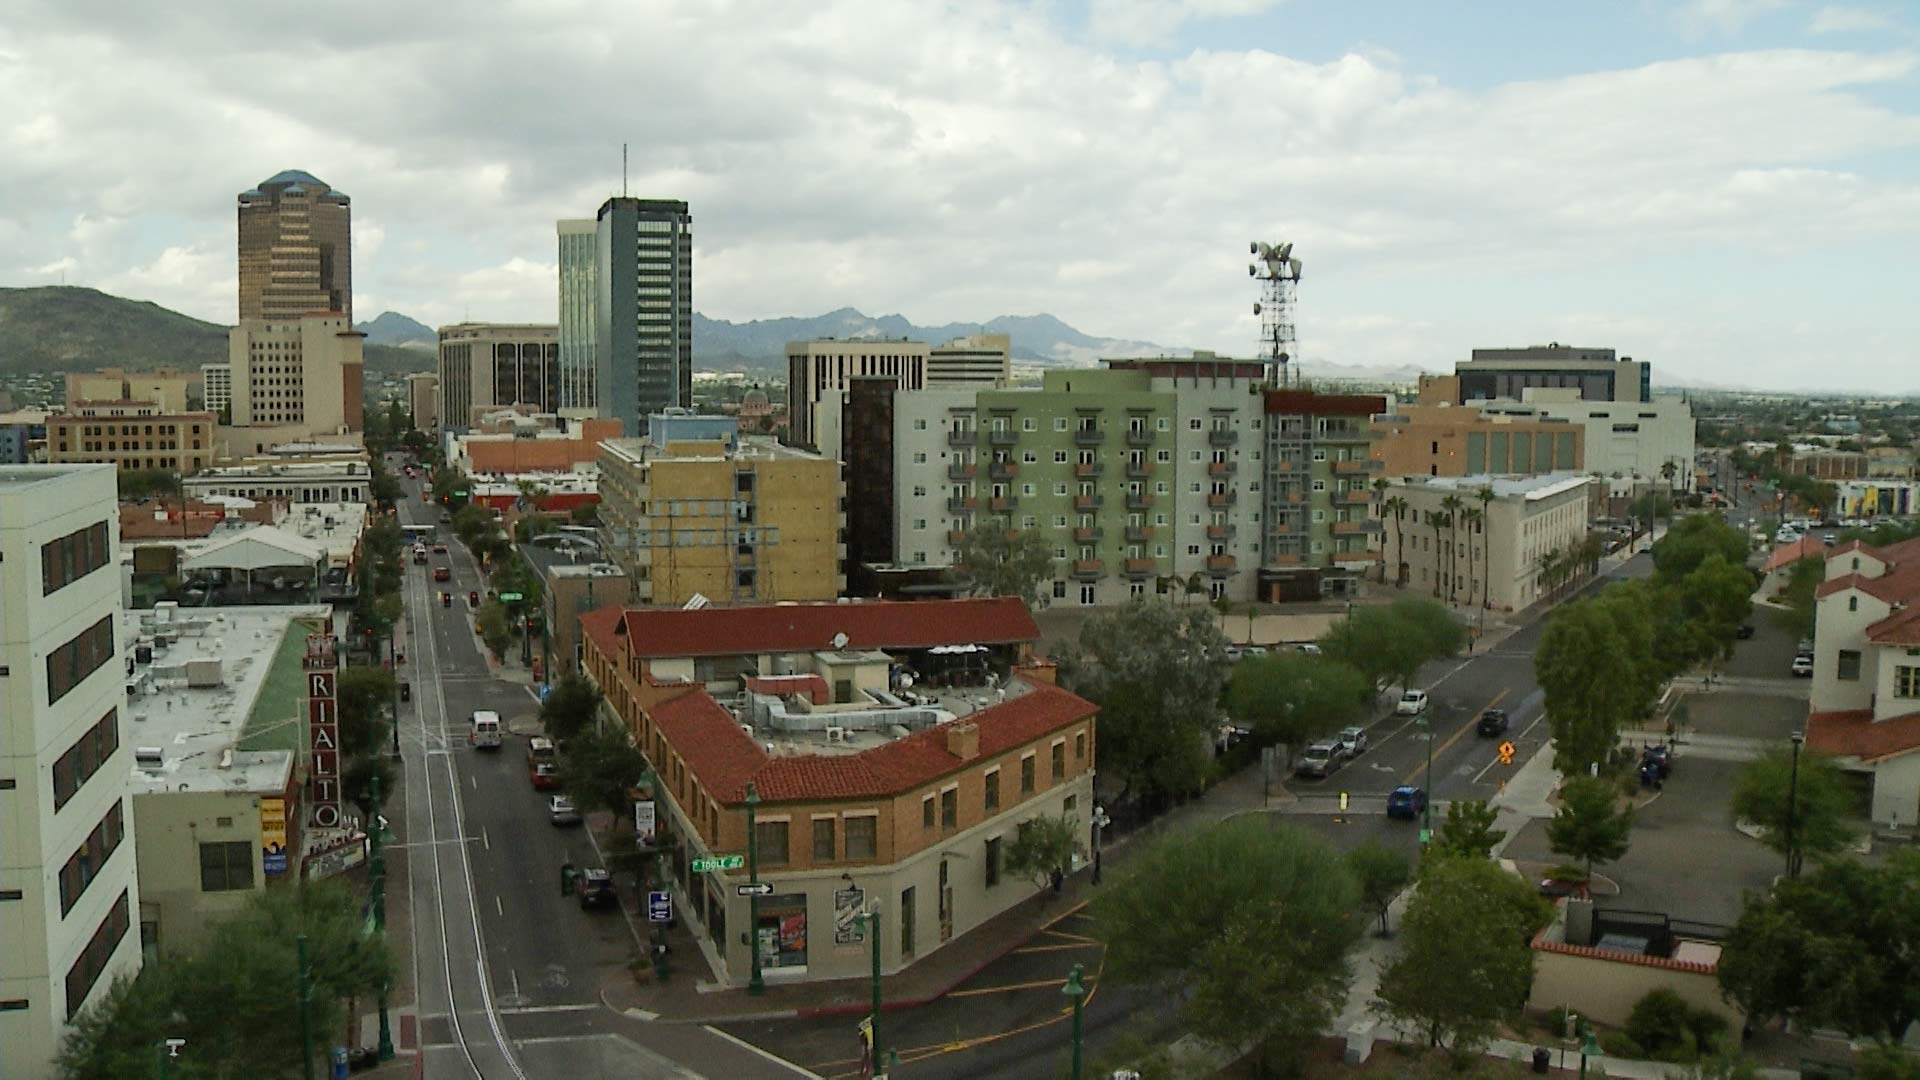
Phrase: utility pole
pixel 1793 805
pixel 306 1006
pixel 377 871
pixel 756 984
pixel 877 1054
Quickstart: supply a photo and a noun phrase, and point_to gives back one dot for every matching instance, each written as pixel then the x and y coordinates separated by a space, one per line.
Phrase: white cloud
pixel 1150 22
pixel 62 266
pixel 1834 19
pixel 1723 16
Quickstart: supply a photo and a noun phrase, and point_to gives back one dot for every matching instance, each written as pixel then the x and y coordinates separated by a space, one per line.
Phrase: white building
pixel 342 478
pixel 1865 706
pixel 216 387
pixel 69 905
pixel 493 365
pixel 1624 438
pixel 1498 560
pixel 293 381
pixel 981 361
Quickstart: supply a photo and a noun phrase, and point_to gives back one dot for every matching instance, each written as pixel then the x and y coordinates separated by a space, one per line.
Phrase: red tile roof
pixel 1544 944
pixel 1804 548
pixel 1900 582
pixel 810 684
pixel 1900 628
pixel 780 628
pixel 1855 733
pixel 724 757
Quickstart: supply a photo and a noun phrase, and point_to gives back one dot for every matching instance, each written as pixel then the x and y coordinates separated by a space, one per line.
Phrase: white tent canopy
pixel 261 548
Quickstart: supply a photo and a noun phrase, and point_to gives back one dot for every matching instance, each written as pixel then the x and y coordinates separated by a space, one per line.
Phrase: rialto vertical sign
pixel 323 733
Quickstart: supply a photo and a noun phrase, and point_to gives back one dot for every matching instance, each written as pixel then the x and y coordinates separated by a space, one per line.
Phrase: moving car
pixel 1493 724
pixel 1318 760
pixel 442 573
pixel 1352 742
pixel 1802 667
pixel 1411 703
pixel 439 549
pixel 1745 631
pixel 1406 802
pixel 420 554
pixel 446 599
pixel 544 775
pixel 485 733
pixel 595 887
pixel 473 598
pixel 561 811
pixel 1659 758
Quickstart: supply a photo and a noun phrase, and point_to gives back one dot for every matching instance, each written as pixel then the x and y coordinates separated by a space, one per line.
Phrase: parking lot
pixel 1744 714
pixel 1769 653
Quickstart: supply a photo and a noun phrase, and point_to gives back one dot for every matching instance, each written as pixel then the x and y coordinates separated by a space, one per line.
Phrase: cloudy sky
pixel 1730 188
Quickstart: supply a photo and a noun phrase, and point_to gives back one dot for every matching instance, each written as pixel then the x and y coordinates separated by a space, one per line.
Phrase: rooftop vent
pixel 148 757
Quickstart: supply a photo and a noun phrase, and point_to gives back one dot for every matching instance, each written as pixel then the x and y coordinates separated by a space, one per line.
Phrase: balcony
pixel 1138 568
pixel 1219 564
pixel 965 505
pixel 962 470
pixel 1002 438
pixel 1355 497
pixel 1003 470
pixel 1139 437
pixel 1088 437
pixel 1219 532
pixel 961 436
pixel 1139 534
pixel 1139 500
pixel 1220 468
pixel 1139 470
pixel 1357 528
pixel 1002 504
pixel 1087 470
pixel 1357 466
pixel 1088 568
pixel 1087 534
pixel 1220 500
pixel 1086 503
pixel 1284 560
pixel 955 536
pixel 1222 437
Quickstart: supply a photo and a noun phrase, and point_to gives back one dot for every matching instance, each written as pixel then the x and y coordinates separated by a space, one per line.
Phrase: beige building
pixel 490 365
pixel 294 380
pixel 730 519
pixel 132 435
pixel 978 361
pixel 216 388
pixel 423 400
pixel 296 249
pixel 1435 436
pixel 1496 560
pixel 167 391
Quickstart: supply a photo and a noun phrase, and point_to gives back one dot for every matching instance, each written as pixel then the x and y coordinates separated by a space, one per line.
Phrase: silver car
pixel 1320 759
pixel 1352 742
pixel 561 811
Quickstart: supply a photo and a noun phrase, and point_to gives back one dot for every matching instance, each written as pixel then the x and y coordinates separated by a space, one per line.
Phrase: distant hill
pixel 69 328
pixel 393 328
pixel 1034 338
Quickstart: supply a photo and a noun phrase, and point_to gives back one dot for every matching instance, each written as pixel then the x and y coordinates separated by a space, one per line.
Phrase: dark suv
pixel 1493 723
pixel 595 887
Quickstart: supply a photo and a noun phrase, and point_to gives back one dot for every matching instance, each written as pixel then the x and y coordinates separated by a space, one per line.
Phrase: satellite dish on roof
pixel 840 641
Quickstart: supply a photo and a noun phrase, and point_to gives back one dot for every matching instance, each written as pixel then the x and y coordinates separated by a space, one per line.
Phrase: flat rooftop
pixel 1504 487
pixel 220 700
pixel 19 476
pixel 922 707
pixel 334 526
pixel 750 448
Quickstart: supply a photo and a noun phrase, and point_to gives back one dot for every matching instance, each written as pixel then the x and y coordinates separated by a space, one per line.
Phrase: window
pixel 1026 775
pixel 992 799
pixel 926 812
pixel 823 839
pixel 1059 457
pixel 1027 424
pixel 72 557
pixel 1059 761
pixel 919 491
pixel 1059 423
pixel 1906 682
pixel 1069 805
pixel 950 809
pixel 69 664
pixel 1849 664
pixel 1853 603
pixel 1159 423
pixel 85 757
pixel 993 862
pixel 225 867
pixel 773 842
pixel 1059 590
pixel 93 959
pixel 920 425
pixel 920 458
pixel 1079 746
pixel 1163 456
pixel 1193 423
pixel 862 837
pixel 92 854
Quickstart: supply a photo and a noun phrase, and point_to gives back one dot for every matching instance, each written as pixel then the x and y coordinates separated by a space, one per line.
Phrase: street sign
pixel 659 907
pixel 758 888
pixel 1506 753
pixel 719 862
pixel 511 597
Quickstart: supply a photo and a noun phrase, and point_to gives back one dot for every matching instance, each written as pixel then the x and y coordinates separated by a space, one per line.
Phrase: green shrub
pixel 1619 1044
pixel 1670 1029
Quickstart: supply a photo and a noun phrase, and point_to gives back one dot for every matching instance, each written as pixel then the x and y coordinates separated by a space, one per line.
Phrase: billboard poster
pixel 847 905
pixel 273 837
pixel 643 822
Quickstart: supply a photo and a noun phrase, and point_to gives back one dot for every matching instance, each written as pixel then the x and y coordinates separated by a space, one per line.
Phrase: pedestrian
pixel 1059 881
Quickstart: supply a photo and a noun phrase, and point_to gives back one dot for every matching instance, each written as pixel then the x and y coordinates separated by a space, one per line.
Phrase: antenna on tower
pixel 1279 275
pixel 623 170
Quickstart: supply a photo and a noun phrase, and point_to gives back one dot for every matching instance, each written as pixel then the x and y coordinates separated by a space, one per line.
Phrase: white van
pixel 486 730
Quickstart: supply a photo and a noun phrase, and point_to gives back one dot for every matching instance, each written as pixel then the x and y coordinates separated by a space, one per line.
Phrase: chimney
pixel 963 741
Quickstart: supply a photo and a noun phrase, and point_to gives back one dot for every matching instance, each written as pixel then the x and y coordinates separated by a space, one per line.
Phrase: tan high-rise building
pixel 294 380
pixel 295 249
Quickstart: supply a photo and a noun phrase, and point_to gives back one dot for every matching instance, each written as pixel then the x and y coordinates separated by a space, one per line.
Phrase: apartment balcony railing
pixel 1088 568
pixel 1220 499
pixel 962 471
pixel 1139 437
pixel 1087 470
pixel 1220 468
pixel 1086 503
pixel 1088 437
pixel 1139 500
pixel 961 436
pixel 1279 559
pixel 1003 438
pixel 1354 466
pixel 1087 534
pixel 1003 470
pixel 1219 564
pixel 1222 436
pixel 1138 567
pixel 954 536
pixel 1220 532
pixel 964 505
pixel 1355 497
pixel 1139 470
pixel 1139 534
pixel 1003 504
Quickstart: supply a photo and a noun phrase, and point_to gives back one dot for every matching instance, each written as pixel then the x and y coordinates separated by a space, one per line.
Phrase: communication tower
pixel 1279 275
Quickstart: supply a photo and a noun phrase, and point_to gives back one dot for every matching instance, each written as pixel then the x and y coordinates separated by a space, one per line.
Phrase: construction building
pixel 1435 436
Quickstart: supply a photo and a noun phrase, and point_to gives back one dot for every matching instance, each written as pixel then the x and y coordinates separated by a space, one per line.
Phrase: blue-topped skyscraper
pixel 296 249
pixel 642 309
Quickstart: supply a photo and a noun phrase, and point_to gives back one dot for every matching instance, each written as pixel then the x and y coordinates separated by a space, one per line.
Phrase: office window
pixel 920 458
pixel 226 866
pixel 773 842
pixel 1059 761
pixel 992 799
pixel 72 557
pixel 93 959
pixel 1849 664
pixel 950 809
pixel 862 837
pixel 69 664
pixel 92 854
pixel 85 756
pixel 926 812
pixel 1026 775
pixel 993 862
pixel 1027 424
pixel 822 840
pixel 1906 682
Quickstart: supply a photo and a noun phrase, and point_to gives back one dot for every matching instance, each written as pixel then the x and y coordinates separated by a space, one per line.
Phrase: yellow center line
pixel 1442 748
pixel 1034 985
pixel 1069 947
pixel 1063 935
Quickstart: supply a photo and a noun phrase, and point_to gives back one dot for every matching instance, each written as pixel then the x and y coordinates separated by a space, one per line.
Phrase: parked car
pixel 1318 760
pixel 1493 724
pixel 1658 757
pixel 441 573
pixel 1309 648
pixel 595 887
pixel 1802 667
pixel 1412 703
pixel 1352 742
pixel 1745 631
pixel 1553 888
pixel 1406 802
pixel 561 811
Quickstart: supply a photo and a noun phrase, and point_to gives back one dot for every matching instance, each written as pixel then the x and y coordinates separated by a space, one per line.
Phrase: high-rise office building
pixel 491 365
pixel 296 253
pixel 577 397
pixel 294 380
pixel 69 902
pixel 642 309
pixel 216 387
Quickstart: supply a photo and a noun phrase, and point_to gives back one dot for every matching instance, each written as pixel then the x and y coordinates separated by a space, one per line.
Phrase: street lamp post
pixel 1793 805
pixel 661 967
pixel 871 917
pixel 377 871
pixel 1100 823
pixel 1077 994
pixel 755 984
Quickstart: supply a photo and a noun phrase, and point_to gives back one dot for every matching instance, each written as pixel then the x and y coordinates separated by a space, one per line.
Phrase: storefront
pixel 782 933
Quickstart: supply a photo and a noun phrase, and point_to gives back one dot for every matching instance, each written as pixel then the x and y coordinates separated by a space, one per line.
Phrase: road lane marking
pixel 774 1058
pixel 1056 983
pixel 1055 948
pixel 497 909
pixel 485 840
pixel 1471 721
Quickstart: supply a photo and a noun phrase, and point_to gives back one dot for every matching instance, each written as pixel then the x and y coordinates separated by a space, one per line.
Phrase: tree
pixel 1691 541
pixel 1591 682
pixel 1395 641
pixel 1042 845
pixel 363 696
pixel 1590 825
pixel 1157 673
pixel 1003 562
pixel 1472 518
pixel 1381 485
pixel 1798 595
pixel 1834 948
pixel 598 766
pixel 137 484
pixel 1246 927
pixel 586 515
pixel 1822 803
pixel 1453 505
pixel 1397 506
pixel 572 705
pixel 493 628
pixel 1294 698
pixel 1485 495
pixel 1465 961
pixel 1436 520
pixel 1379 873
pixel 1468 831
pixel 1715 598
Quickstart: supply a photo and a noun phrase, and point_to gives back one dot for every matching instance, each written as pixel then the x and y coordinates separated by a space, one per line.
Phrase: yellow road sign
pixel 1506 753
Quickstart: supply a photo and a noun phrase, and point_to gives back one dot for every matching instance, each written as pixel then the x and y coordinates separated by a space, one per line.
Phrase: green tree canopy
pixel 1246 926
pixel 494 629
pixel 1393 642
pixel 1590 825
pixel 1715 598
pixel 1293 698
pixel 364 696
pixel 571 705
pixel 1591 681
pixel 1822 802
pixel 1690 541
pixel 1803 579
pixel 1042 845
pixel 1468 831
pixel 1379 873
pixel 146 483
pixel 598 766
pixel 1003 562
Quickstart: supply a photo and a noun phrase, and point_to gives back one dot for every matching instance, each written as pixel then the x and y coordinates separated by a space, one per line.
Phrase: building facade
pixel 1592 374
pixel 1865 705
pixel 1321 528
pixel 1435 546
pixel 1433 436
pixel 132 435
pixel 166 391
pixel 423 400
pixel 819 372
pixel 577 277
pixel 216 388
pixel 69 902
pixel 980 361
pixel 1652 440
pixel 492 365
pixel 752 522
pixel 295 380
pixel 1822 463
pixel 334 479
pixel 642 309
pixel 296 249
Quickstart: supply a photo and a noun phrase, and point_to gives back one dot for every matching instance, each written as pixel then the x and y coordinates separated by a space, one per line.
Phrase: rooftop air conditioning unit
pixel 148 757
pixel 836 733
pixel 748 729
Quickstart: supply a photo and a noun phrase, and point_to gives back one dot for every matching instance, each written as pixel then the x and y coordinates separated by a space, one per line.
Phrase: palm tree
pixel 1471 517
pixel 1437 519
pixel 1549 569
pixel 1485 495
pixel 1452 504
pixel 1667 472
pixel 1398 505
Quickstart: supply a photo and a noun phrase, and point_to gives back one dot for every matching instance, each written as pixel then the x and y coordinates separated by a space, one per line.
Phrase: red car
pixel 442 573
pixel 544 776
pixel 473 599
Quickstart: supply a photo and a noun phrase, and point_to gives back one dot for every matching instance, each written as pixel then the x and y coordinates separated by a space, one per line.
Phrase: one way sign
pixel 757 888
